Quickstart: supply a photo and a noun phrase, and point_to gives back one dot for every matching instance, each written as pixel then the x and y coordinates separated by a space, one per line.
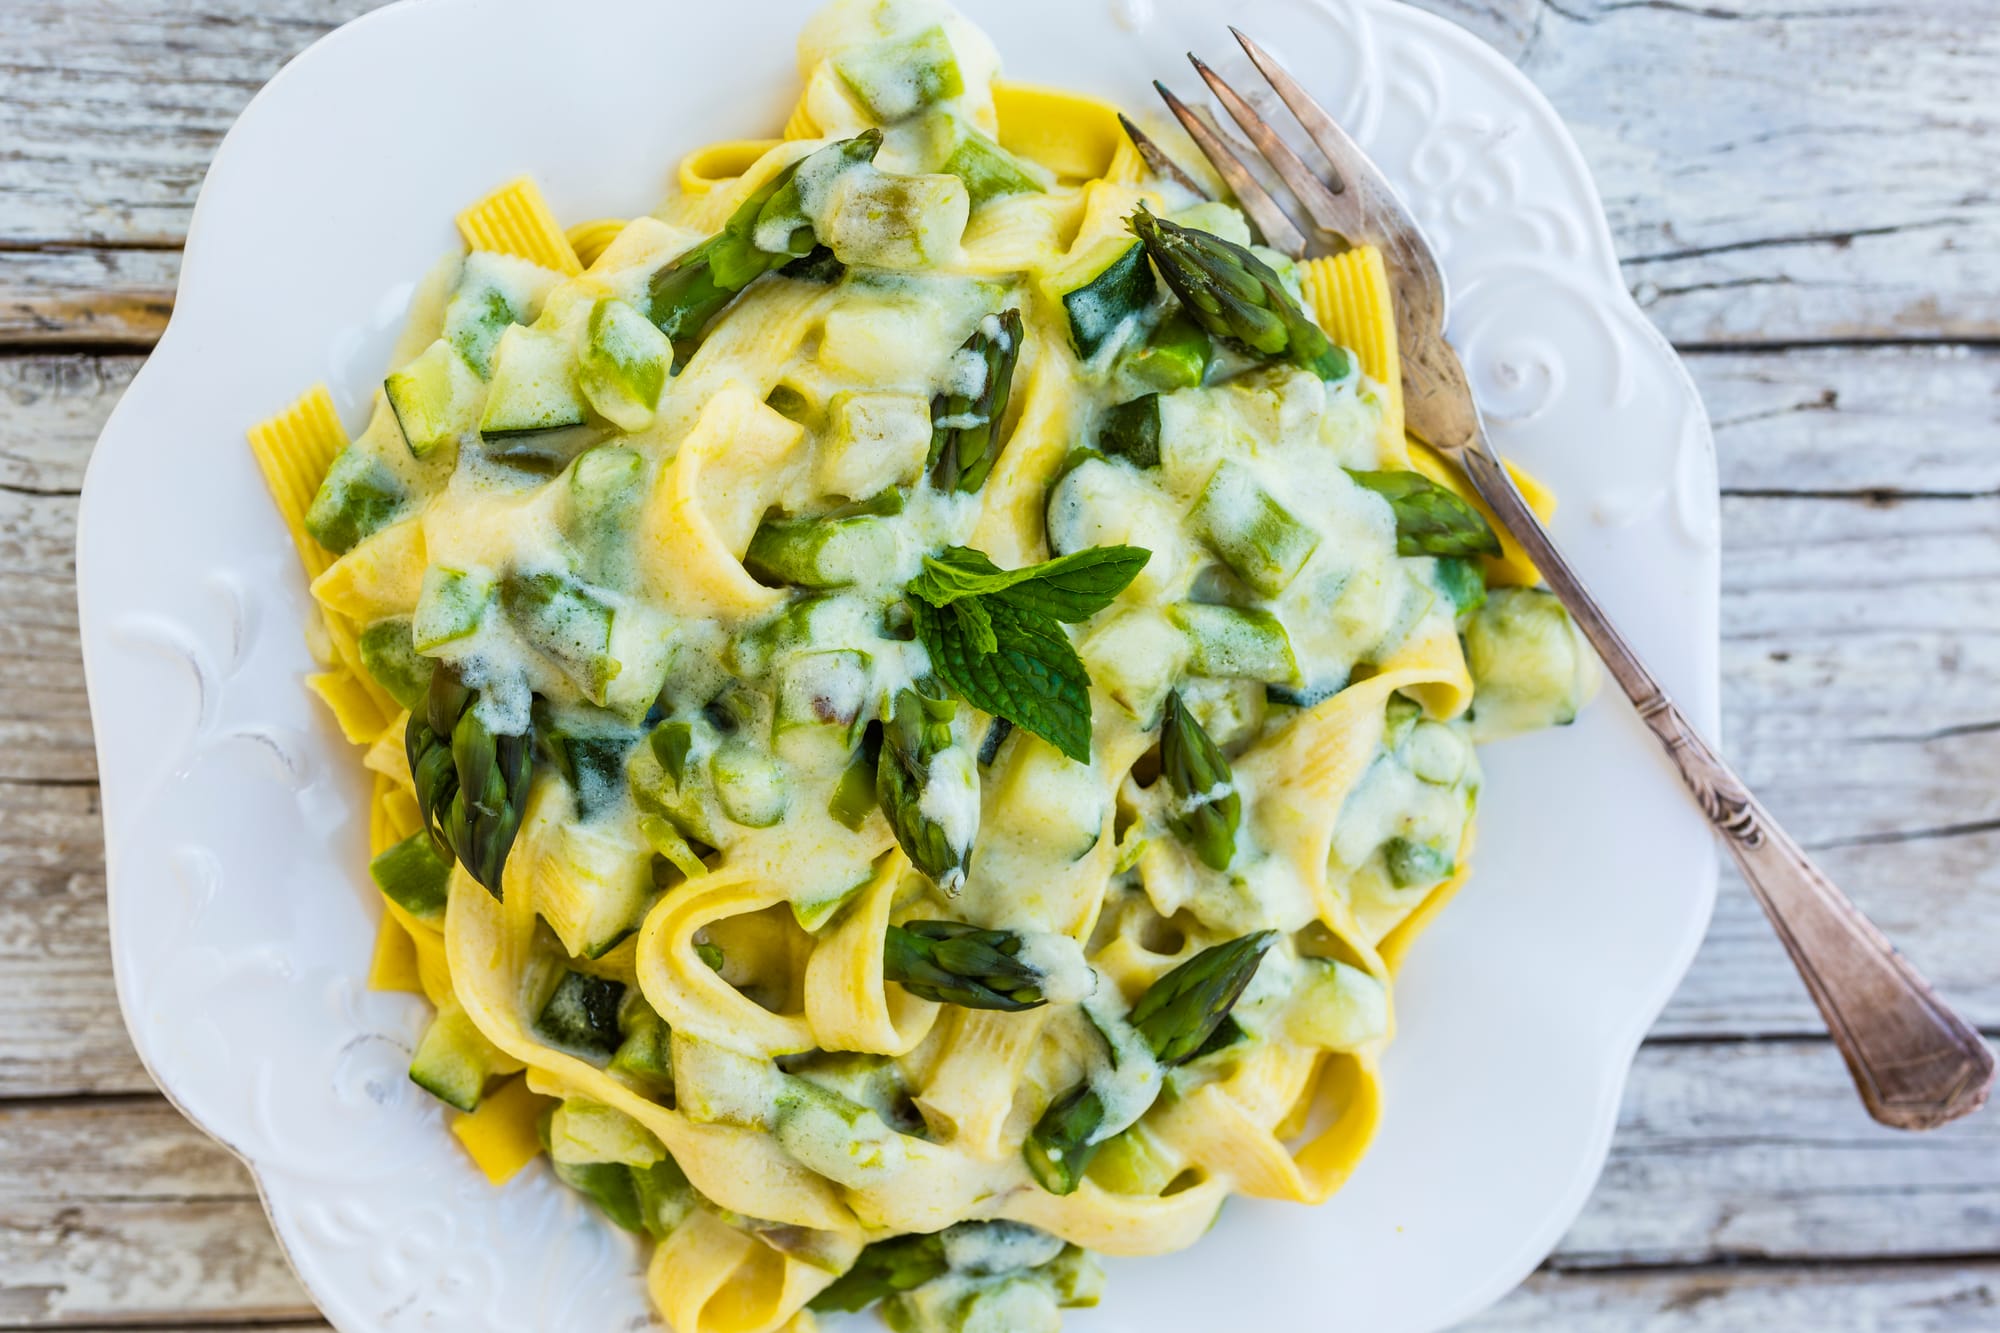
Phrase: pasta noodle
pixel 907 743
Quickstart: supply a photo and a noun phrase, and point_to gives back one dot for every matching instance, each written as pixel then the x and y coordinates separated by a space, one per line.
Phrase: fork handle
pixel 1915 1062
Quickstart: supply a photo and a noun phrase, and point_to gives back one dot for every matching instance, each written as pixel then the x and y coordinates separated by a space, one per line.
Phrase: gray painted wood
pixel 1800 192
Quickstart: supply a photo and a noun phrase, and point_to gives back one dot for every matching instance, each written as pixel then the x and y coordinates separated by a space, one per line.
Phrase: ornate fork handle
pixel 1915 1062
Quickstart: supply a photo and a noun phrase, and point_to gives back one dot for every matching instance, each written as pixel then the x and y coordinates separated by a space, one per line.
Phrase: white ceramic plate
pixel 234 814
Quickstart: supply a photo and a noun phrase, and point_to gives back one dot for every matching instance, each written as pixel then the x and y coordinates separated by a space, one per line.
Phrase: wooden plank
pixel 1741 151
pixel 1759 1150
pixel 1855 419
pixel 55 405
pixel 114 298
pixel 1881 1298
pixel 58 1010
pixel 121 1211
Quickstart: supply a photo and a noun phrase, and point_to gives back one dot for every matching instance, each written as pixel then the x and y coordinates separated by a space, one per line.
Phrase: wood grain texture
pixel 120 1210
pixel 1885 1298
pixel 1825 183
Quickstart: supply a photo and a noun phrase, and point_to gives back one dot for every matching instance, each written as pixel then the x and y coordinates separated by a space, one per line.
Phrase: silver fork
pixel 1915 1062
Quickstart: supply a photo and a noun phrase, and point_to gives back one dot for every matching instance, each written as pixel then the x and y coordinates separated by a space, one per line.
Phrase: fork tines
pixel 1326 201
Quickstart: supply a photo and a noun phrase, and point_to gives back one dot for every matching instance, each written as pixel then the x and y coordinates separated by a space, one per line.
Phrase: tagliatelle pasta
pixel 915 696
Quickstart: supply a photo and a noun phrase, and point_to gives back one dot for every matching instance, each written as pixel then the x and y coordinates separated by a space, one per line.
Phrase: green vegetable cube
pixel 988 170
pixel 413 876
pixel 358 497
pixel 1108 299
pixel 450 607
pixel 1175 357
pixel 1227 641
pixel 1258 538
pixel 622 365
pixel 874 441
pixel 434 398
pixel 389 655
pixel 901 76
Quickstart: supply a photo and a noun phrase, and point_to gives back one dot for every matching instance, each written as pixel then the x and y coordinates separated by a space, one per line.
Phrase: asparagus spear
pixel 1233 294
pixel 883 1269
pixel 1176 1016
pixel 965 428
pixel 916 736
pixel 1430 520
pixel 955 963
pixel 471 784
pixel 693 289
pixel 1198 775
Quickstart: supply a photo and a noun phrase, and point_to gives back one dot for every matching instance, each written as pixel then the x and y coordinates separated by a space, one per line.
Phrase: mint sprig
pixel 1072 587
pixel 995 636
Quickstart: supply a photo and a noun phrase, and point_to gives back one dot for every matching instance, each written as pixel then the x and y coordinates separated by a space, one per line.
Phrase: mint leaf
pixel 1032 678
pixel 1430 520
pixel 976 622
pixel 1073 587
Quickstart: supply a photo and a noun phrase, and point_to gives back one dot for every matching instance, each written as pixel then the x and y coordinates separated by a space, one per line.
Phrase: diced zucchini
pixel 452 604
pixel 665 1198
pixel 623 364
pixel 609 1185
pixel 1228 641
pixel 603 495
pixel 581 1130
pixel 1257 537
pixel 750 785
pixel 804 621
pixel 1134 1162
pixel 389 655
pixel 494 290
pixel 534 385
pixel 1414 864
pixel 1462 582
pixel 1530 666
pixel 1048 804
pixel 1338 1007
pixel 1103 301
pixel 819 552
pixel 1077 1276
pixel 880 220
pixel 644 1053
pixel 642 653
pixel 1229 709
pixel 591 884
pixel 988 170
pixel 900 77
pixel 568 623
pixel 592 765
pixel 820 905
pixel 360 496
pixel 1399 718
pixel 1436 753
pixel 1131 431
pixel 581 1015
pixel 874 442
pixel 1176 356
pixel 412 875
pixel 1135 657
pixel 454 1060
pixel 840 1139
pixel 435 398
pixel 826 689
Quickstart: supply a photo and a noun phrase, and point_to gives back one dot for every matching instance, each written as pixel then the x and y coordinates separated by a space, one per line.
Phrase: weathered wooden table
pixel 1804 193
